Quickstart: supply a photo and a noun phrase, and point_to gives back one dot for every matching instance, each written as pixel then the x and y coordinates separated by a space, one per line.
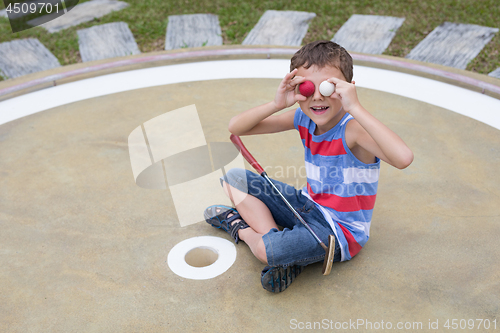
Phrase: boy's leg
pixel 247 191
pixel 254 212
pixel 257 215
pixel 263 210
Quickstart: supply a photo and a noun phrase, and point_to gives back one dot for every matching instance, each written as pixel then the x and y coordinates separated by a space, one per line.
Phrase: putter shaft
pixel 264 174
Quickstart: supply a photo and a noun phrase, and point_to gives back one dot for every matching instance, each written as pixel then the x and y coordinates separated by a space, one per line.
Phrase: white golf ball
pixel 326 88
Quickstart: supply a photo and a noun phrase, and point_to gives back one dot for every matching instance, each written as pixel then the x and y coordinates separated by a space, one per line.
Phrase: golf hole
pixel 202 256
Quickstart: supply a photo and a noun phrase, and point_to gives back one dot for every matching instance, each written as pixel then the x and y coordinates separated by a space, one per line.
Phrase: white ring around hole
pixel 224 248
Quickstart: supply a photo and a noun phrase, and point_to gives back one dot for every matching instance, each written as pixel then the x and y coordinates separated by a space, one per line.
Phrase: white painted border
pixel 224 248
pixel 466 102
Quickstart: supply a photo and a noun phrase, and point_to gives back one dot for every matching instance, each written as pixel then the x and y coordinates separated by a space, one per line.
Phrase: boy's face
pixel 325 112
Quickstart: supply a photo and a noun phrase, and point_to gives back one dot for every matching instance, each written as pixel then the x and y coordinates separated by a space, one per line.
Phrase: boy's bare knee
pixel 228 189
pixel 225 186
pixel 233 193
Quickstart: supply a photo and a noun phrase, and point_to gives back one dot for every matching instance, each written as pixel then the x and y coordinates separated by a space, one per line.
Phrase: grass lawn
pixel 147 20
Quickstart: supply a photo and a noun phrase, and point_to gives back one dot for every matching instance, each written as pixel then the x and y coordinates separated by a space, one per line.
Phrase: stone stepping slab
pixel 193 30
pixel 83 12
pixel 106 41
pixel 368 33
pixel 495 73
pixel 453 44
pixel 280 28
pixel 25 56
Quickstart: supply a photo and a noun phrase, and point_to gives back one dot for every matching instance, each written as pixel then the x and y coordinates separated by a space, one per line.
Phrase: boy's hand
pixel 286 95
pixel 369 133
pixel 346 93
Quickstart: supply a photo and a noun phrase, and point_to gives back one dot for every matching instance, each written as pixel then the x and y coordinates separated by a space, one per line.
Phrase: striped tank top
pixel 343 187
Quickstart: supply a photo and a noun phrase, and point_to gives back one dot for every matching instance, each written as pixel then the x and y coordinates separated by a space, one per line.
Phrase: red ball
pixel 306 88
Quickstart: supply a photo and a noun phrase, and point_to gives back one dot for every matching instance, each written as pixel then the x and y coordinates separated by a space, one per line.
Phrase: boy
pixel 343 146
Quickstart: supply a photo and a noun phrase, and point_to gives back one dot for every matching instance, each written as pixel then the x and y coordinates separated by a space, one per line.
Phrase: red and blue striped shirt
pixel 343 187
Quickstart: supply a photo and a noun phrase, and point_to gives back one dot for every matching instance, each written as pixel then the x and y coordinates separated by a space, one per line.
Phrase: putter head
pixel 329 255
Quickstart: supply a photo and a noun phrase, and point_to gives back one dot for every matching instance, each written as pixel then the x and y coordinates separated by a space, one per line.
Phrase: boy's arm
pixel 270 123
pixel 258 120
pixel 372 135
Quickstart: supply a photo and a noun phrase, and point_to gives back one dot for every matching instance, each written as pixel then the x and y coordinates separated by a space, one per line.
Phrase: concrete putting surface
pixel 83 248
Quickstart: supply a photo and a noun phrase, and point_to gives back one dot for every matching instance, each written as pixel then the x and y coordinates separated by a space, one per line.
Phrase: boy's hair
pixel 323 53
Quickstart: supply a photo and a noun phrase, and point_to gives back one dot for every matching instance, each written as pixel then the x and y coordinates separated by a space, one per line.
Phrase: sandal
pixel 277 279
pixel 216 216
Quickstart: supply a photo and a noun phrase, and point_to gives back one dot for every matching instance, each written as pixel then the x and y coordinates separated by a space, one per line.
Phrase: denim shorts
pixel 294 245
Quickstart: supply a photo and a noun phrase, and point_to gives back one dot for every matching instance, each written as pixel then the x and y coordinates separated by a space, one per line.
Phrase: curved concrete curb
pixel 37 81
